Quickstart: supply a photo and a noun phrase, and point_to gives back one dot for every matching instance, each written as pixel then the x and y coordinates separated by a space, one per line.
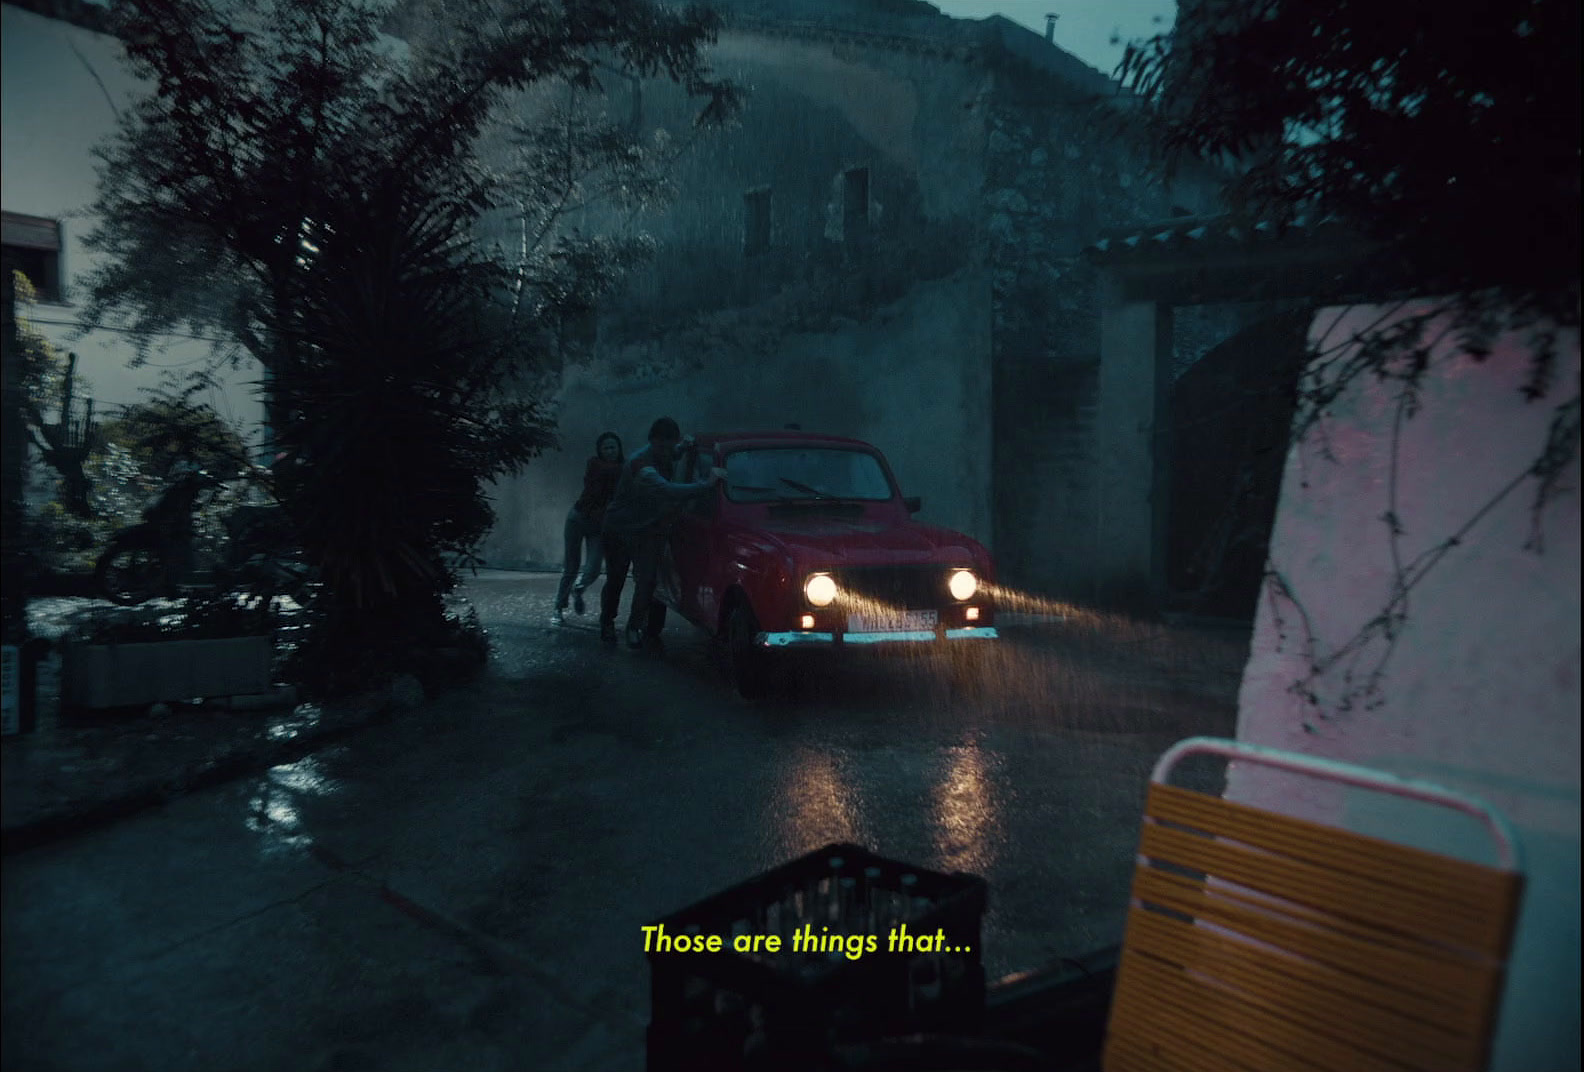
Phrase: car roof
pixel 783 437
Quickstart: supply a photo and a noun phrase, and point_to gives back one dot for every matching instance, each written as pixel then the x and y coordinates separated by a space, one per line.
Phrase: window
pixel 756 220
pixel 855 204
pixel 579 329
pixel 797 474
pixel 32 246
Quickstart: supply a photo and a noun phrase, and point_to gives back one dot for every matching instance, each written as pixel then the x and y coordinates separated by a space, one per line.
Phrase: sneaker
pixel 608 632
pixel 635 638
pixel 577 601
pixel 558 617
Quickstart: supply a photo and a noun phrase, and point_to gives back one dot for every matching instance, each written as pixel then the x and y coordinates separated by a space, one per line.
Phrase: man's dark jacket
pixel 647 501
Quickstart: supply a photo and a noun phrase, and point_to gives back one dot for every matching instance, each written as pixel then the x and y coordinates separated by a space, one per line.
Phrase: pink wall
pixel 1481 692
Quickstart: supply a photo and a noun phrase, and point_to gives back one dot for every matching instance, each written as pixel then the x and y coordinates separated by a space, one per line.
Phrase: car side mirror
pixel 913 503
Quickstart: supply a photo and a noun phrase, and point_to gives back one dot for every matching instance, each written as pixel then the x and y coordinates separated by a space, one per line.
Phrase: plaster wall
pixel 61 88
pixel 1481 693
pixel 814 110
pixel 923 114
pixel 913 380
pixel 1059 170
pixel 1131 454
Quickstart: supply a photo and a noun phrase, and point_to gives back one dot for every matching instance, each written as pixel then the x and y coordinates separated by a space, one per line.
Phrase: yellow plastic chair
pixel 1261 943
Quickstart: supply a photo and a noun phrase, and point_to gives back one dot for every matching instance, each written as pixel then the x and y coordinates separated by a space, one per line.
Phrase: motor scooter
pixel 154 558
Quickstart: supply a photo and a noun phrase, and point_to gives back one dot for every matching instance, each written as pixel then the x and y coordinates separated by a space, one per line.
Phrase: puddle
pixel 303 717
pixel 306 776
pixel 273 808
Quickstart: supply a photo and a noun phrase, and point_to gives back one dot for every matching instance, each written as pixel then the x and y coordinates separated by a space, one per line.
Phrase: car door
pixel 687 561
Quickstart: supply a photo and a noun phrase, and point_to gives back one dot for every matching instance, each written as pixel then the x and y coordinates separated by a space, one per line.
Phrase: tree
pixel 1446 132
pixel 107 470
pixel 298 183
pixel 48 380
pixel 173 426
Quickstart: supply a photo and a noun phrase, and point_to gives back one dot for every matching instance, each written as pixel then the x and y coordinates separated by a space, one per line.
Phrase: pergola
pixel 1145 273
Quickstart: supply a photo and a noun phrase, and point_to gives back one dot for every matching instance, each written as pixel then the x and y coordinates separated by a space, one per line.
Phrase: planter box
pixel 126 675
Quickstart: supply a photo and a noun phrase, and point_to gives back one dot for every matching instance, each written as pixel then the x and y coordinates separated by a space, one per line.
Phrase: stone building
pixel 889 245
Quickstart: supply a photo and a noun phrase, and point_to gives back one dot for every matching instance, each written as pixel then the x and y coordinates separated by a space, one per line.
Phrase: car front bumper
pixel 807 639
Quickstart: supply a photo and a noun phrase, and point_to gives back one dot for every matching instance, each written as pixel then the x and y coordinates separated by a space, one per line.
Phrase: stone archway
pixel 1231 416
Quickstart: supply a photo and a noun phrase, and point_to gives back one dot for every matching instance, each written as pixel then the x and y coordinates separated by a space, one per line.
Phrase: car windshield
pixel 781 474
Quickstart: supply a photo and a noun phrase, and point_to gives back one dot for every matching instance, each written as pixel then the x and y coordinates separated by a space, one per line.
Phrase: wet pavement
pixel 464 886
pixel 71 774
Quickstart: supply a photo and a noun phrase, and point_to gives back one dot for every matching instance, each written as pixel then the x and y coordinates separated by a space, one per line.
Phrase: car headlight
pixel 962 584
pixel 820 589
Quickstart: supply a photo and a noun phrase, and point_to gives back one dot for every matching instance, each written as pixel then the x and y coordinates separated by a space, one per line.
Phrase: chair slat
pixel 1362 930
pixel 1461 882
pixel 1428 983
pixel 1167 1037
pixel 1409 912
pixel 1155 1000
pixel 1175 1054
pixel 1321 999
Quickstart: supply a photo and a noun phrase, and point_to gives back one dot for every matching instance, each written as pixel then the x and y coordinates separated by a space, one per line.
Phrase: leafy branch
pixel 1364 657
pixel 322 197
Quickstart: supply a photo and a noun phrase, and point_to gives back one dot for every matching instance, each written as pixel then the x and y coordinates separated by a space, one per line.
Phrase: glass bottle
pixel 909 892
pixel 831 889
pixel 874 898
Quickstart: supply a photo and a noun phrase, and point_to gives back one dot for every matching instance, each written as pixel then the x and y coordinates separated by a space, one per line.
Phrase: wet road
pixel 464 888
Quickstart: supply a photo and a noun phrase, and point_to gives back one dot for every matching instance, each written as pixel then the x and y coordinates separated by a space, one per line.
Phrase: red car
pixel 809 544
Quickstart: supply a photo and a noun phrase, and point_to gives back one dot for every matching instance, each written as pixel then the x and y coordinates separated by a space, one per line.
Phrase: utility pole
pixel 18 675
pixel 13 467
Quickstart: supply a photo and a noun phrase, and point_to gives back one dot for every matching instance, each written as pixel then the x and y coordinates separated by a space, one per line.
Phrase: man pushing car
pixel 642 512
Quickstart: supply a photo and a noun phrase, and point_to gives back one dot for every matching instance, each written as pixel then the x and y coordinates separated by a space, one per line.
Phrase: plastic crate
pixel 725 1010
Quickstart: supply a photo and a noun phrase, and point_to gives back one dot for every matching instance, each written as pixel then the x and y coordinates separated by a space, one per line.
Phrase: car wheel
pixel 750 669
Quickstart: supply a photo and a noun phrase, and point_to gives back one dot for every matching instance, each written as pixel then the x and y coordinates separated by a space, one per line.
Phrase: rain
pixel 1016 535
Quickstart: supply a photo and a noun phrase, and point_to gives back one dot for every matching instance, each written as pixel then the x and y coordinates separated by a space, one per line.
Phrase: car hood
pixel 836 541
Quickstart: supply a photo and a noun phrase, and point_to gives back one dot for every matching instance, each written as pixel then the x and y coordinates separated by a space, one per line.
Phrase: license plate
pixel 899 622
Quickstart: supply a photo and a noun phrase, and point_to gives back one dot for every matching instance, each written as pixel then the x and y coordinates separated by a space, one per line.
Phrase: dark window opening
pixel 31 245
pixel 756 220
pixel 579 330
pixel 41 268
pixel 855 203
